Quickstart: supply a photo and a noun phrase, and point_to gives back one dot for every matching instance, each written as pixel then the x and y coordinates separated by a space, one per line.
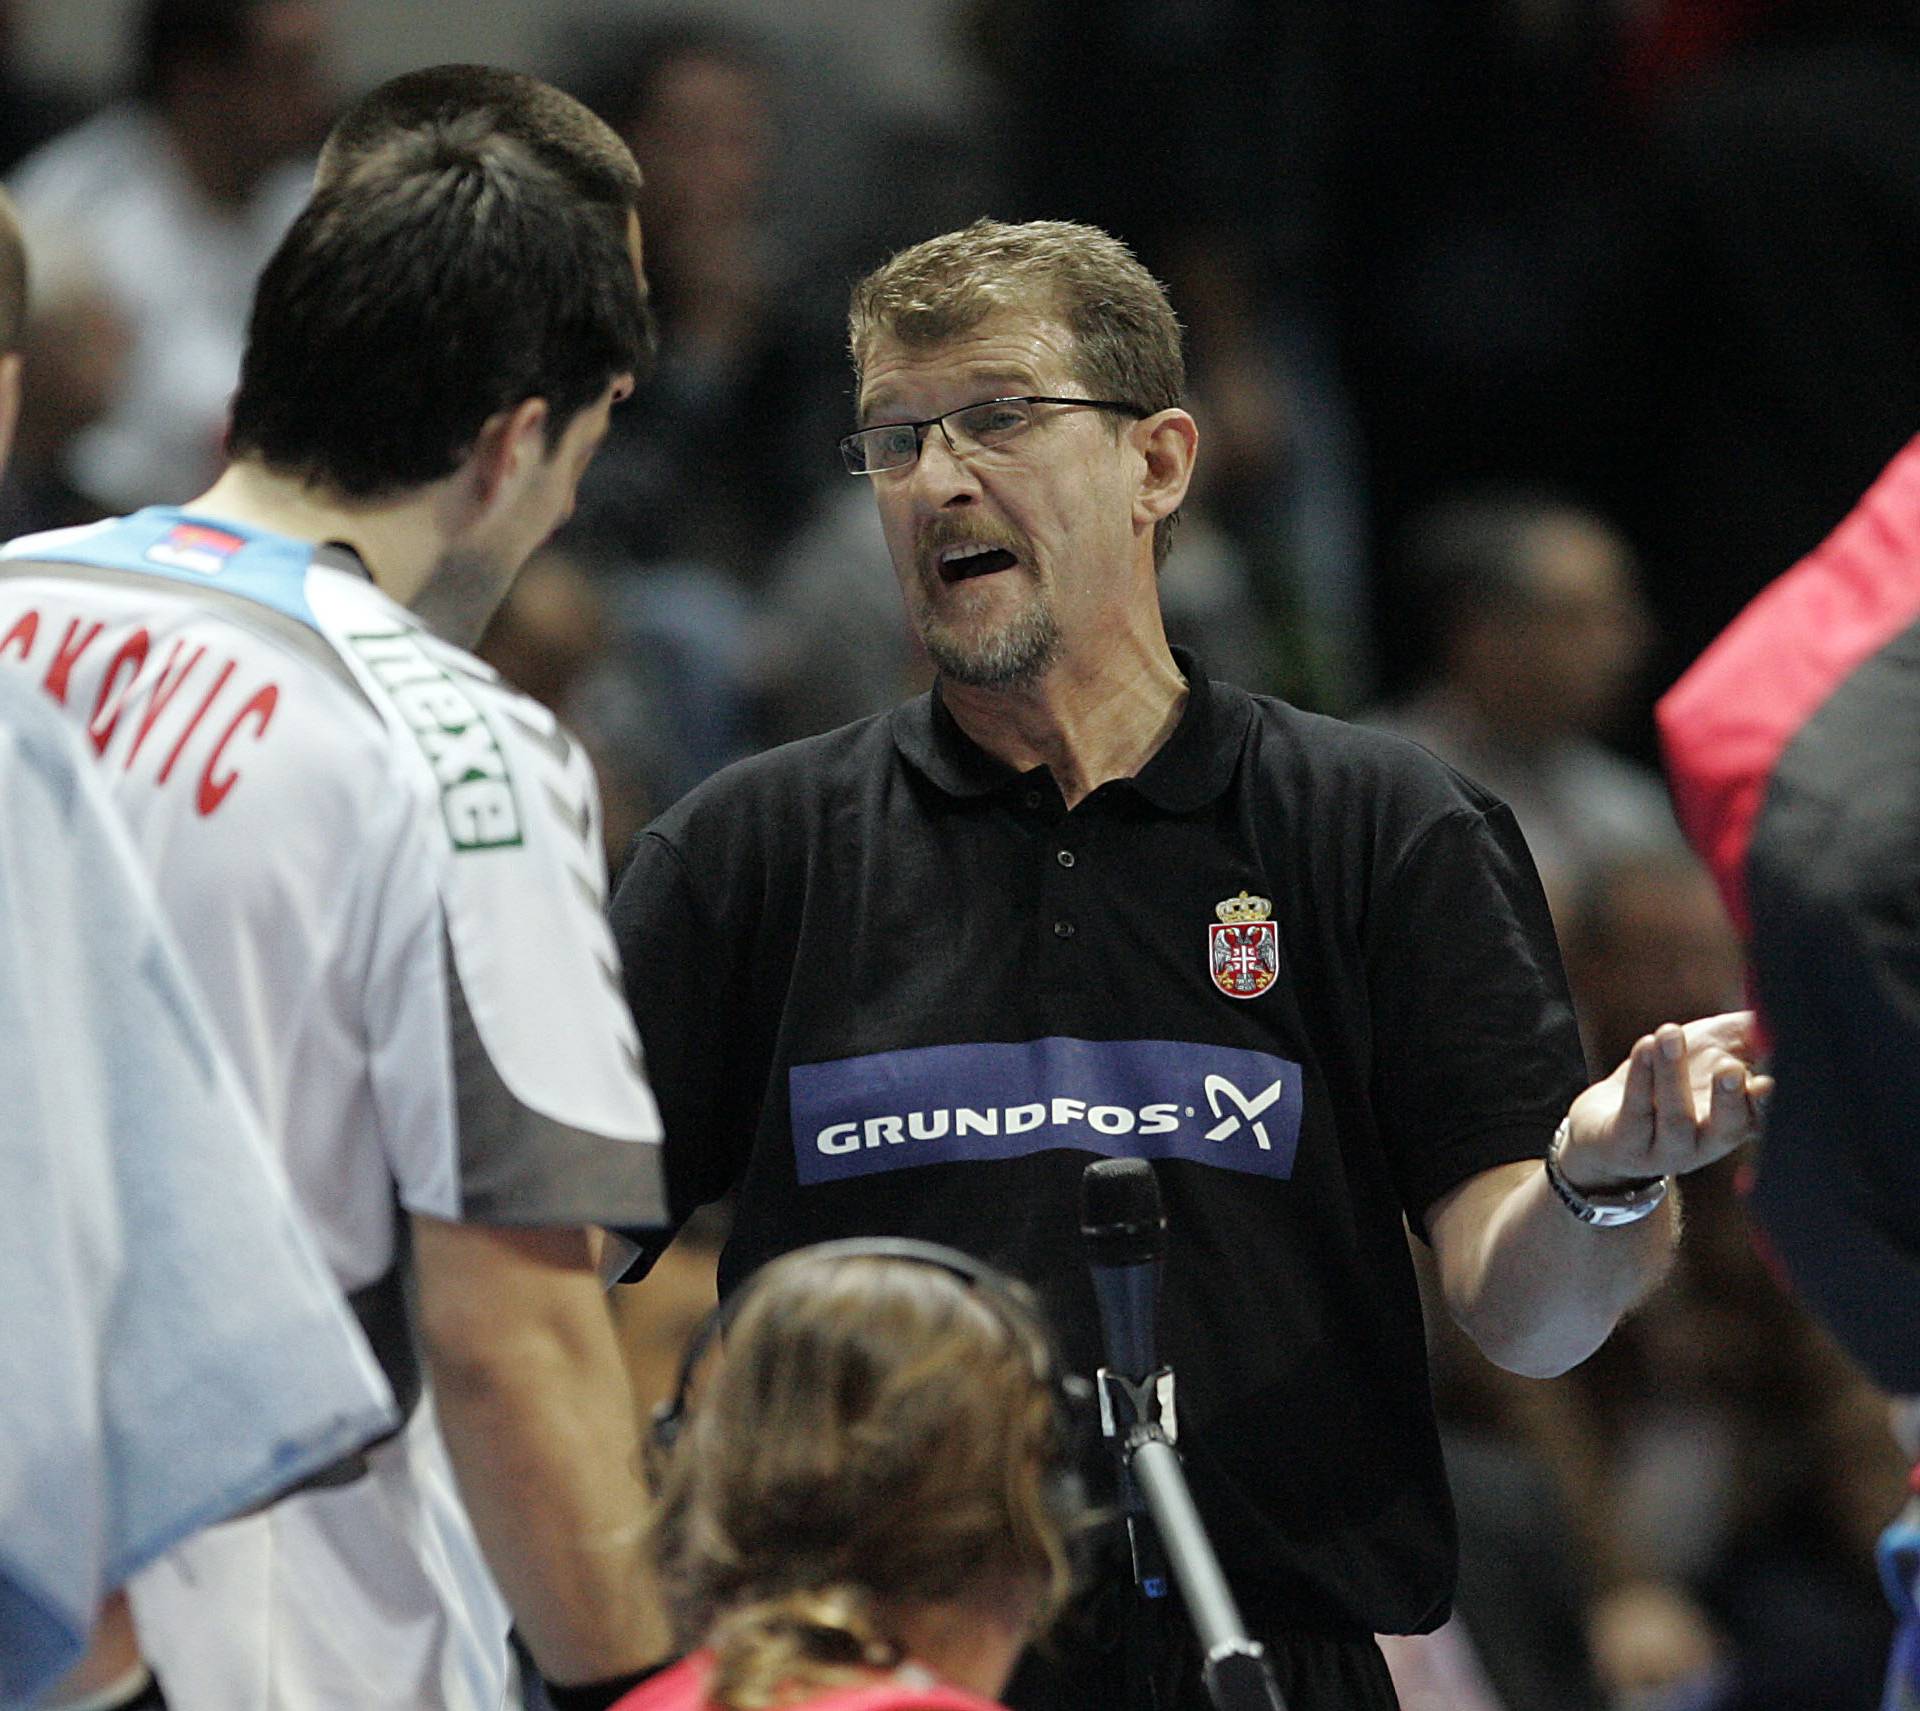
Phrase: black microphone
pixel 1124 1227
pixel 1125 1230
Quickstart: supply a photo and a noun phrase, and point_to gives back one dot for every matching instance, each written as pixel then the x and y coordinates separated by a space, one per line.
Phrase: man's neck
pixel 396 539
pixel 1086 725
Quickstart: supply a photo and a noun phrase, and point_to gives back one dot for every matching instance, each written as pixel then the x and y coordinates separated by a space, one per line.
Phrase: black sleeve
pixel 682 989
pixel 1477 1052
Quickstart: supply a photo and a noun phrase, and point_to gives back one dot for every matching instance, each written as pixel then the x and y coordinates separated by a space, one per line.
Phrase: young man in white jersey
pixel 174 1348
pixel 385 869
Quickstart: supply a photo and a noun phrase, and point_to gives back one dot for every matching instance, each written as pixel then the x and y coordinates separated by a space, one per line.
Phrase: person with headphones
pixel 871 1503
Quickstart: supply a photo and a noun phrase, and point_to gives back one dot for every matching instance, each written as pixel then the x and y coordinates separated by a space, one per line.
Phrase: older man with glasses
pixel 1080 899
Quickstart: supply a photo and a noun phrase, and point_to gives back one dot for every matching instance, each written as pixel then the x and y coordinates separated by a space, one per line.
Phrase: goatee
pixel 1016 655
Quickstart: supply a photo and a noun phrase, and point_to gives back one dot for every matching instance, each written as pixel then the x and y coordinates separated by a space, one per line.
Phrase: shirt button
pixel 1033 799
pixel 1063 929
pixel 1065 858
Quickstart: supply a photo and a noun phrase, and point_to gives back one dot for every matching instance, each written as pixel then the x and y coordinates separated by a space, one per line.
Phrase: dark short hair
pixel 448 275
pixel 173 33
pixel 563 134
pixel 13 277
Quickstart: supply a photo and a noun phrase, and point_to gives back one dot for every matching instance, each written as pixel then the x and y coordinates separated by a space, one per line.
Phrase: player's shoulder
pixel 488 763
pixel 52 543
pixel 186 619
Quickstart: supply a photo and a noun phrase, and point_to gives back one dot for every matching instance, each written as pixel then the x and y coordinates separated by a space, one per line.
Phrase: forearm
pixel 539 1422
pixel 1534 1287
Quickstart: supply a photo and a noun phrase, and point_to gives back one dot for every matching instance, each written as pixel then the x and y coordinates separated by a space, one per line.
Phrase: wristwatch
pixel 1627 1204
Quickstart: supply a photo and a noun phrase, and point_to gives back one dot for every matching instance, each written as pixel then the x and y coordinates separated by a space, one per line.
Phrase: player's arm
pixel 110 1676
pixel 539 1421
pixel 1534 1286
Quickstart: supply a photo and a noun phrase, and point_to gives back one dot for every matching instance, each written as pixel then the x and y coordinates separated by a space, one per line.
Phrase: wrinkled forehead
pixel 933 314
pixel 1007 352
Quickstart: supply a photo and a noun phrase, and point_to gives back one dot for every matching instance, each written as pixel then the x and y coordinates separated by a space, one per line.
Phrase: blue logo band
pixel 1238 1110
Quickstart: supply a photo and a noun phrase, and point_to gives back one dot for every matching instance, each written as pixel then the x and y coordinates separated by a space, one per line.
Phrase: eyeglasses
pixel 971 428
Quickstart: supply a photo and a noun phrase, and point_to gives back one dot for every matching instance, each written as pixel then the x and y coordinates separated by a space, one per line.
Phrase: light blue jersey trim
pixel 267 568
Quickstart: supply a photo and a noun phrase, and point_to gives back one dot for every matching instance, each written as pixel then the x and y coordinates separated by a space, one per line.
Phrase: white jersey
pixel 173 1350
pixel 385 868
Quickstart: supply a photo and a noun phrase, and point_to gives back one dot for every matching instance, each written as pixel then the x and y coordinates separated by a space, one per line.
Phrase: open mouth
pixel 962 563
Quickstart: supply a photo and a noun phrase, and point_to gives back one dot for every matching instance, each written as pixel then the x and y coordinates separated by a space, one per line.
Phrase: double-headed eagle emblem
pixel 1243 946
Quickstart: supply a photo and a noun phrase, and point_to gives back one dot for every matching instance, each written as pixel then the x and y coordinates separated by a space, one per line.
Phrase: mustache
pixel 942 532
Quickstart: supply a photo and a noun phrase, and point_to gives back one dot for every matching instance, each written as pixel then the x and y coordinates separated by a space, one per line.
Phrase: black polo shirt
pixel 888 985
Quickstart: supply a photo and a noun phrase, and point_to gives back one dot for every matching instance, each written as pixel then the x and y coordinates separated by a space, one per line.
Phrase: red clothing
pixel 1726 723
pixel 684 1688
pixel 1793 745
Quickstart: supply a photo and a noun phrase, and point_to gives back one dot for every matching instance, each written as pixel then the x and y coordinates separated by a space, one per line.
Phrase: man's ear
pixel 510 443
pixel 1168 442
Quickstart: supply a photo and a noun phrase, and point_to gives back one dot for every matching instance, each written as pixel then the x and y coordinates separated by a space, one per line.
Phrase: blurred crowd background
pixel 1529 338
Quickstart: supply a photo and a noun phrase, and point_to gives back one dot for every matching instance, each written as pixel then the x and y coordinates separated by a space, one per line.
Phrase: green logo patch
pixel 476 790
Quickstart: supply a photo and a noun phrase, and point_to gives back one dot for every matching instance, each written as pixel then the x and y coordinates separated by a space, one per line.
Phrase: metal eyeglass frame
pixel 853 447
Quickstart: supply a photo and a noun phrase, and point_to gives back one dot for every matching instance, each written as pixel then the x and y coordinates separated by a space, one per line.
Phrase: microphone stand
pixel 1139 1419
pixel 1124 1405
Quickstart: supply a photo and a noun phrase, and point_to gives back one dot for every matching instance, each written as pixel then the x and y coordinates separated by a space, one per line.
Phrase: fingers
pixel 1636 1090
pixel 1675 1122
pixel 1736 1102
pixel 1734 1031
pixel 1687 1097
pixel 1627 1136
pixel 1683 1097
pixel 1728 1097
pixel 1727 1109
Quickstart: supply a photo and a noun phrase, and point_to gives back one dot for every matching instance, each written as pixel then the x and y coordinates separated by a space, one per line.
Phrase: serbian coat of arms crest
pixel 1243 946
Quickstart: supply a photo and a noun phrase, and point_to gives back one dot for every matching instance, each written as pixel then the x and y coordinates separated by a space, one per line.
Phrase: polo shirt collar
pixel 1190 769
pixel 1195 765
pixel 930 740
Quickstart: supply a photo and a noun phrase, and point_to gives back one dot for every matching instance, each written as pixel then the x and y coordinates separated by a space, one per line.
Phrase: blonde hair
pixel 1126 338
pixel 877 1430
